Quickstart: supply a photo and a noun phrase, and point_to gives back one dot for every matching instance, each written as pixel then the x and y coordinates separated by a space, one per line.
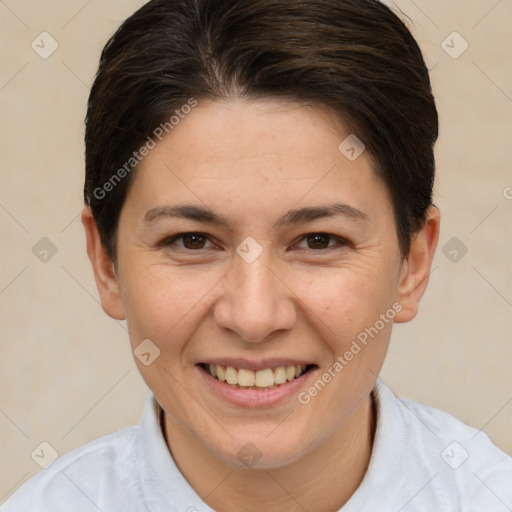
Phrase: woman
pixel 259 208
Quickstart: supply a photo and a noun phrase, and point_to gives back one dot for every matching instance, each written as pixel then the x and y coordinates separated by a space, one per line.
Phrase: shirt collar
pixel 161 481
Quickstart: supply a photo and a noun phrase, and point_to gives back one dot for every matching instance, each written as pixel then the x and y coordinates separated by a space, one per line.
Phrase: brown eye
pixel 318 241
pixel 194 241
pixel 321 241
pixel 190 241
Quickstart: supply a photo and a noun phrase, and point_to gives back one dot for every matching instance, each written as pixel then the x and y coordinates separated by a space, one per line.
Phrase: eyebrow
pixel 296 216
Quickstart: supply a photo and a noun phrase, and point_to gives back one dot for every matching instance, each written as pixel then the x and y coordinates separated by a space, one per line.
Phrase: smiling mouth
pixel 267 378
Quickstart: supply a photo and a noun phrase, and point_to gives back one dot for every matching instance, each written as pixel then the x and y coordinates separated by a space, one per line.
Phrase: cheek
pixel 346 300
pixel 166 304
pixel 163 302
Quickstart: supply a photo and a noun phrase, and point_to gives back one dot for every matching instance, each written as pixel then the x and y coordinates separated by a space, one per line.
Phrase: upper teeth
pixel 267 378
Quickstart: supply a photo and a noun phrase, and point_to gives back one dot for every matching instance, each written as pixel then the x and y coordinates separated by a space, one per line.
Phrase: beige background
pixel 67 374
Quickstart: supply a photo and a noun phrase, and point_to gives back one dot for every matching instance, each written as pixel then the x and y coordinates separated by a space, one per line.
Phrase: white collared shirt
pixel 423 460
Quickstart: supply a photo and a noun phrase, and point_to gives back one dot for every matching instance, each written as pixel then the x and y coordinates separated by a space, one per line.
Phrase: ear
pixel 416 267
pixel 104 269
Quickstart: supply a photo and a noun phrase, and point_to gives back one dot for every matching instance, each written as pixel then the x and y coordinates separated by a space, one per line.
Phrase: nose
pixel 256 301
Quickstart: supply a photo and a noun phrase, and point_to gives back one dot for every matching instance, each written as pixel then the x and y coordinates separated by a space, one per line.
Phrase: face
pixel 251 248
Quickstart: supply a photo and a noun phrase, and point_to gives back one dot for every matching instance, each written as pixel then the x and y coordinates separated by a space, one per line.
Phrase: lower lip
pixel 254 398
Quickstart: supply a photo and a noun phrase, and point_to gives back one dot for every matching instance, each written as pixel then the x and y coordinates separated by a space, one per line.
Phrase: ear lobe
pixel 416 268
pixel 103 267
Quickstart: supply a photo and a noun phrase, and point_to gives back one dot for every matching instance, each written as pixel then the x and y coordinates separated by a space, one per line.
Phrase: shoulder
pixel 454 460
pixel 77 480
pixel 444 427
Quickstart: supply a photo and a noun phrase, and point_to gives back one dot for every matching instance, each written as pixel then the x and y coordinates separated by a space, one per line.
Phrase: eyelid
pixel 171 239
pixel 339 239
pixel 341 242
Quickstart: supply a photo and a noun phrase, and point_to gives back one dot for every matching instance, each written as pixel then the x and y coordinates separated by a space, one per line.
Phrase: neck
pixel 324 479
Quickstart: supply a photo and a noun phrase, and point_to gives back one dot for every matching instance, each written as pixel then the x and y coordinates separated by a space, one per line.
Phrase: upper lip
pixel 240 362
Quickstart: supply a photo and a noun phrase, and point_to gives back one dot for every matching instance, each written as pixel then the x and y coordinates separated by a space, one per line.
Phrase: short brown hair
pixel 354 56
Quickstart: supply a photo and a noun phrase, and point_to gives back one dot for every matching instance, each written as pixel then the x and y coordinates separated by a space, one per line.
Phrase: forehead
pixel 258 155
pixel 258 132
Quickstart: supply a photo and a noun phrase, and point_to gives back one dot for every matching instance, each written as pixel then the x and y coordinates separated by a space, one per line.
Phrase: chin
pixel 260 452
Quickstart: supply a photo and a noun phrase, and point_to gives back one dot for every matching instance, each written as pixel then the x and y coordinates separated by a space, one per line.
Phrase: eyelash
pixel 171 241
